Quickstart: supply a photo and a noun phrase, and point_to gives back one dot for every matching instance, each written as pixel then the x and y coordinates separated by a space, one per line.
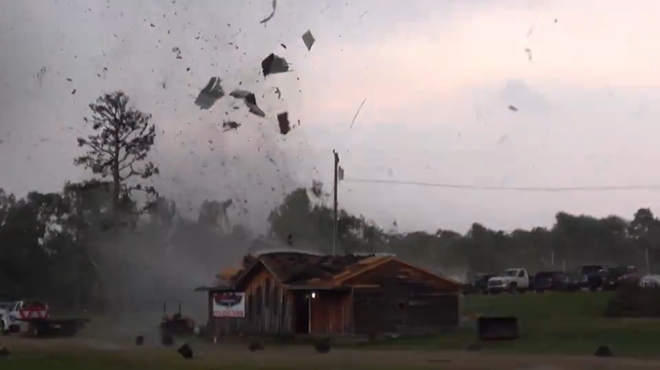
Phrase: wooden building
pixel 299 293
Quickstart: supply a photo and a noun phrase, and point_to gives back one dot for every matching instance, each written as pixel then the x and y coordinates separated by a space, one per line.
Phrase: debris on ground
pixel 604 351
pixel 255 346
pixel 4 352
pixel 322 346
pixel 308 39
pixel 356 113
pixel 139 340
pixel 512 108
pixel 285 125
pixel 210 94
pixel 230 125
pixel 273 64
pixel 272 14
pixel 167 340
pixel 185 351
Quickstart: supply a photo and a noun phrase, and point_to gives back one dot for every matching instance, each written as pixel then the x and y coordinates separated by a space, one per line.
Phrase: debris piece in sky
pixel 308 39
pixel 278 93
pixel 285 125
pixel 356 113
pixel 274 64
pixel 230 125
pixel 529 53
pixel 240 94
pixel 210 94
pixel 284 46
pixel 41 74
pixel 531 30
pixel 177 51
pixel 74 91
pixel 363 14
pixel 512 108
pixel 289 240
pixel 272 14
pixel 251 102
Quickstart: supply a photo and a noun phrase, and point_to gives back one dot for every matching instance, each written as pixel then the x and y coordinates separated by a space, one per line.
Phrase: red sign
pixel 229 305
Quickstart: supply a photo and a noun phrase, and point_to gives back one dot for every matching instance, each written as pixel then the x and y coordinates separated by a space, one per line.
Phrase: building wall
pixel 331 313
pixel 402 299
pixel 268 308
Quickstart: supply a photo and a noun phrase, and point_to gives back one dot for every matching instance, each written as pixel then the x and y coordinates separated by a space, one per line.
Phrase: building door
pixel 301 312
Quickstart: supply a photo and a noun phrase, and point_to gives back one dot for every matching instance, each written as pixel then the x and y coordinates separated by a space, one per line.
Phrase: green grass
pixel 568 323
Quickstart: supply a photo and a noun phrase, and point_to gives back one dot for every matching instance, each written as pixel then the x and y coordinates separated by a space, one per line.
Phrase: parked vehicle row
pixel 588 277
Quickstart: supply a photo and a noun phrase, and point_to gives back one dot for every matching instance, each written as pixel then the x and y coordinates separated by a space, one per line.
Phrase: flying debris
pixel 230 125
pixel 528 51
pixel 210 94
pixel 283 120
pixel 512 108
pixel 274 64
pixel 177 51
pixel 251 102
pixel 308 39
pixel 272 14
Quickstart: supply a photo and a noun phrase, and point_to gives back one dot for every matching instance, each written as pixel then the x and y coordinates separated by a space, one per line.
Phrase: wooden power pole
pixel 334 231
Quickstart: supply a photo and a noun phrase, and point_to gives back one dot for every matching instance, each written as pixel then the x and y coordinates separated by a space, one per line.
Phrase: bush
pixel 632 300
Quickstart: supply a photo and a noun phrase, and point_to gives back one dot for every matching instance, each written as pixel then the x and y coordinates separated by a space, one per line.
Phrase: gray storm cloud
pixel 62 55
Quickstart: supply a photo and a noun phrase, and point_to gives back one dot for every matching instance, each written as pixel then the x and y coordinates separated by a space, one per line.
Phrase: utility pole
pixel 334 232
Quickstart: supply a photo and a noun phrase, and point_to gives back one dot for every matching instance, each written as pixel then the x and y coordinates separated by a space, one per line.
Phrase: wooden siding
pixel 331 313
pixel 407 300
pixel 268 308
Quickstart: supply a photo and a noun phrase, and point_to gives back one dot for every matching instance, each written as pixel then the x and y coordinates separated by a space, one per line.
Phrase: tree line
pixel 105 242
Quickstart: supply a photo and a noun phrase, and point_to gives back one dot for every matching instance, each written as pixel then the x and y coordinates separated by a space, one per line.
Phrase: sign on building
pixel 229 304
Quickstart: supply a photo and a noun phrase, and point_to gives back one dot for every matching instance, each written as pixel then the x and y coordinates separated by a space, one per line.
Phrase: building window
pixel 260 299
pixel 268 294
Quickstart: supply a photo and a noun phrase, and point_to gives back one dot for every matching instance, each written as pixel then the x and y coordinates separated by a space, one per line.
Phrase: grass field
pixel 568 323
pixel 551 325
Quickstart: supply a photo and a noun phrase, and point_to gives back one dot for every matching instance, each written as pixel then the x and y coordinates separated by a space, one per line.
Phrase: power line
pixel 504 188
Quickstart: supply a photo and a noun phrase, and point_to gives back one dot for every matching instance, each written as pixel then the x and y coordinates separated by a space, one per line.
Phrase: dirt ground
pixel 304 356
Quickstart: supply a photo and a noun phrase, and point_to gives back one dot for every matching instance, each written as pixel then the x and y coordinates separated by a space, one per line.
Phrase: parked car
pixel 650 281
pixel 609 278
pixel 555 281
pixel 514 280
pixel 586 272
pixel 479 285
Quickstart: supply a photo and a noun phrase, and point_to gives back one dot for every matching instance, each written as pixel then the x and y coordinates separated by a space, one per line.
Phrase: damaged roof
pixel 308 270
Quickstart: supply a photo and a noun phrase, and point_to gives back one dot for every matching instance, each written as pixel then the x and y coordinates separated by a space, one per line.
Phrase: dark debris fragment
pixel 513 108
pixel 230 125
pixel 285 125
pixel 185 351
pixel 210 94
pixel 308 39
pixel 273 64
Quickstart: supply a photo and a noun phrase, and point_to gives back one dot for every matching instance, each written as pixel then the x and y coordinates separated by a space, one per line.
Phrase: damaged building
pixel 304 293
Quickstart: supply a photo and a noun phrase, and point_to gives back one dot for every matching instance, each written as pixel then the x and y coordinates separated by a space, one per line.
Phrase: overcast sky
pixel 438 78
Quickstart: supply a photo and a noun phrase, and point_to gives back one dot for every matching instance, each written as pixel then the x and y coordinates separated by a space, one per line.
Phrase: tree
pixel 119 148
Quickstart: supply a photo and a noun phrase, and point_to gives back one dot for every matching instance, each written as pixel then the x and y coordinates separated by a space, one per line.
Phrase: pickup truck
pixel 513 280
pixel 34 318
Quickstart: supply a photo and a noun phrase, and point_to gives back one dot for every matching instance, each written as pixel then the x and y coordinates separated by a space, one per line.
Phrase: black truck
pixel 554 281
